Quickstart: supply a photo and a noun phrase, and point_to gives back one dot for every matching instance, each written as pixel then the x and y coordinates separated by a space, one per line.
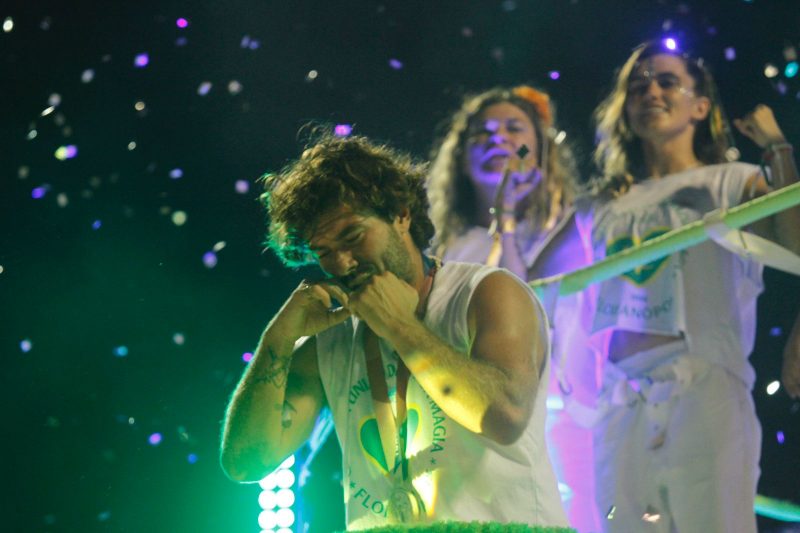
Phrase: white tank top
pixel 460 475
pixel 705 294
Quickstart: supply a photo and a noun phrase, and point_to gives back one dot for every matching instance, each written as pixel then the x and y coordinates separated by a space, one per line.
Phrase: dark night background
pixel 96 263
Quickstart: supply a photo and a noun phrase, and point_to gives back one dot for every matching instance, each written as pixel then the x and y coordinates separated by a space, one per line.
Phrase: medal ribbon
pixel 393 426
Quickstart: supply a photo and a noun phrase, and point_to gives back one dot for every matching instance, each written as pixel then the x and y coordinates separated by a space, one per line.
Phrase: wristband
pixel 772 149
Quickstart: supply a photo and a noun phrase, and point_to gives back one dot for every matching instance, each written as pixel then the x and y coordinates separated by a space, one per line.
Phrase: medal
pixel 405 504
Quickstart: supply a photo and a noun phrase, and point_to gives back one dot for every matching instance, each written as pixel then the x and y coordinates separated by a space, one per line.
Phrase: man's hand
pixel 308 310
pixel 385 303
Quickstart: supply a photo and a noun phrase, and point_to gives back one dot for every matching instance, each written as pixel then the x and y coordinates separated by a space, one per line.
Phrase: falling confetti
pixel 179 218
pixel 554 74
pixel 8 24
pixel 155 439
pixel 234 87
pixel 182 23
pixel 342 130
pixel 773 387
pixel 179 339
pixel 204 88
pixel 770 70
pixel 141 60
pixel 66 152
pixel 210 259
pixel 247 357
pixel 396 64
pixel 509 5
pixel 87 75
pixel 121 351
pixel 651 515
pixel 25 345
pixel 242 186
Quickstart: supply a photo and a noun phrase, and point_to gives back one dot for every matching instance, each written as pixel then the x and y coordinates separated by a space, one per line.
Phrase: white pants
pixel 685 461
pixel 570 450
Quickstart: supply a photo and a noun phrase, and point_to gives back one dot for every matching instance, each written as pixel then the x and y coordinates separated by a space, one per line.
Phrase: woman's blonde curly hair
pixel 452 193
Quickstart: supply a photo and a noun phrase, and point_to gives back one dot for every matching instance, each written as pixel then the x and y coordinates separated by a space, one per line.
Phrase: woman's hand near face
pixel 520 182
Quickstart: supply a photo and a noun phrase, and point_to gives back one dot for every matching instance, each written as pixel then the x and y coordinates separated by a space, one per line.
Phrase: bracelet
pixel 508 226
pixel 772 149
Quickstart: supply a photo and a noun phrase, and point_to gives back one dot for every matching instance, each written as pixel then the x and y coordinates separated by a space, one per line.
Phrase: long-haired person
pixel 501 186
pixel 678 442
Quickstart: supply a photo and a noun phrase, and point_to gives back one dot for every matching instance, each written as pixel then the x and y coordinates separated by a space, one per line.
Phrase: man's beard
pixel 395 259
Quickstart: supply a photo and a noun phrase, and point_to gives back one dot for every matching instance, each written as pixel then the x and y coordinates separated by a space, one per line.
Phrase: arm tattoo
pixel 277 371
pixel 288 412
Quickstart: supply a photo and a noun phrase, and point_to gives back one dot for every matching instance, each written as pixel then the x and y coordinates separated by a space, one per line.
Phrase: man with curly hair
pixel 435 374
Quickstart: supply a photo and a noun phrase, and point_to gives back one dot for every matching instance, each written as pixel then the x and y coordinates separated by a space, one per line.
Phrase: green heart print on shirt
pixel 643 274
pixel 370 438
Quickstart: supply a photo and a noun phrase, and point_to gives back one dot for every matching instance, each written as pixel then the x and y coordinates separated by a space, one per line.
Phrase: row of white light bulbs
pixel 276 500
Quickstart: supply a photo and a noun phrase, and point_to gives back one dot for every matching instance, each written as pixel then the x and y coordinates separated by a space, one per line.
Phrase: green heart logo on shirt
pixel 643 274
pixel 371 440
